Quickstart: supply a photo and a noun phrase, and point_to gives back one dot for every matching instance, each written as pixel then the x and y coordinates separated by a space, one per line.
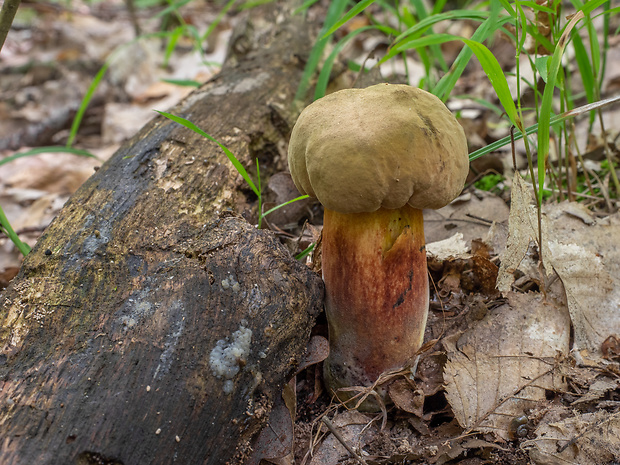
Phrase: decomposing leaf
pixel 586 439
pixel 453 247
pixel 597 390
pixel 486 273
pixel 522 229
pixel 317 351
pixel 283 189
pixel 407 397
pixel 589 288
pixel 611 348
pixel 587 260
pixel 354 429
pixel 582 253
pixel 470 214
pixel 6 275
pixel 505 362
pixel 275 441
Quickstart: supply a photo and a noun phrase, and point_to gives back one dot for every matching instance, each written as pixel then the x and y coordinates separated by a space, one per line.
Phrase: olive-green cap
pixel 358 150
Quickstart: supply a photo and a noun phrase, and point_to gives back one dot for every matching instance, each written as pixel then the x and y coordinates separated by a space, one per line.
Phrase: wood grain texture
pixel 106 333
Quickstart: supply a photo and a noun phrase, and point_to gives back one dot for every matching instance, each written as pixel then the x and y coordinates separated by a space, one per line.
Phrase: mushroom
pixel 375 158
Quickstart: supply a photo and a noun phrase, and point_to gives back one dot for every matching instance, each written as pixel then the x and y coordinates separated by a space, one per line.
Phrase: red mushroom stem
pixel 374 268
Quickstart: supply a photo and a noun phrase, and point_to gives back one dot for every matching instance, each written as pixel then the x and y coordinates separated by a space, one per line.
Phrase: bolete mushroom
pixel 375 158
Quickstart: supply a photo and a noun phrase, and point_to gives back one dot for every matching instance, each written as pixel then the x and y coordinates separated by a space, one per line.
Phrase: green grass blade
pixel 171 8
pixel 482 102
pixel 484 31
pixel 418 42
pixel 336 8
pixel 323 79
pixel 438 6
pixel 547 102
pixel 585 68
pixel 304 252
pixel 85 101
pixel 422 26
pixel 93 86
pixel 595 47
pixel 218 19
pixel 508 8
pixel 498 144
pixel 608 12
pixel 174 37
pixel 51 149
pixel 435 49
pixel 606 21
pixel 182 82
pixel 356 10
pixel 238 166
pixel 6 228
pixel 253 4
pixel 307 4
pixel 494 72
pixel 271 210
pixel 591 5
pixel 536 7
pixel 542 66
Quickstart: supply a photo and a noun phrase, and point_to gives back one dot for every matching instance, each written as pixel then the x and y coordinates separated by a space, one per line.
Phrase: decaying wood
pixel 107 335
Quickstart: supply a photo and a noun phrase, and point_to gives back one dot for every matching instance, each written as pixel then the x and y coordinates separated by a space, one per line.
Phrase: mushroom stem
pixel 374 268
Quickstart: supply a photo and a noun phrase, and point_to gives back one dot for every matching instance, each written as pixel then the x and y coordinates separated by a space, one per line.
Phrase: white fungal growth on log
pixel 231 283
pixel 230 354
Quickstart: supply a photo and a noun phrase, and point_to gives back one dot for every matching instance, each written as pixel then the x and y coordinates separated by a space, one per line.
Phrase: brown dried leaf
pixel 599 388
pixel 583 254
pixel 355 431
pixel 590 292
pixel 505 362
pixel 522 229
pixel 587 260
pixel 275 441
pixel 407 397
pixel 588 439
pixel 470 214
pixel 317 351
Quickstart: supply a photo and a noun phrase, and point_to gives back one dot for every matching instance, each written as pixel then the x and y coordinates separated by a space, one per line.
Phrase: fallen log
pixel 152 324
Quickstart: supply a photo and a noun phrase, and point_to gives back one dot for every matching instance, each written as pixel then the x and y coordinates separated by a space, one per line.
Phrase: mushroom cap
pixel 358 150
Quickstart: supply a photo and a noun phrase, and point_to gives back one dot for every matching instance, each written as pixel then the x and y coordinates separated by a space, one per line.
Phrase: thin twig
pixel 338 436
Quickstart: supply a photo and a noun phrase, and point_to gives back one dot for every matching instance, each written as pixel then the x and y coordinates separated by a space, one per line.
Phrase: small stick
pixel 338 436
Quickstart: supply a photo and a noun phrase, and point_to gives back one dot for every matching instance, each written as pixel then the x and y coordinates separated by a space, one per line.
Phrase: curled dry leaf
pixel 407 397
pixel 505 362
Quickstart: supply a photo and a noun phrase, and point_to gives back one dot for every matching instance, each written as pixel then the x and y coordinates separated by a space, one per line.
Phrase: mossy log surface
pixel 106 334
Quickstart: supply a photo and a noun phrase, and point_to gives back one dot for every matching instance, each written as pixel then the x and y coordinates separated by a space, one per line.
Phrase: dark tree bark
pixel 149 284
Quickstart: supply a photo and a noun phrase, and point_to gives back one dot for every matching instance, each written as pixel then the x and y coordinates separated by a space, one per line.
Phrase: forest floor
pixel 522 363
